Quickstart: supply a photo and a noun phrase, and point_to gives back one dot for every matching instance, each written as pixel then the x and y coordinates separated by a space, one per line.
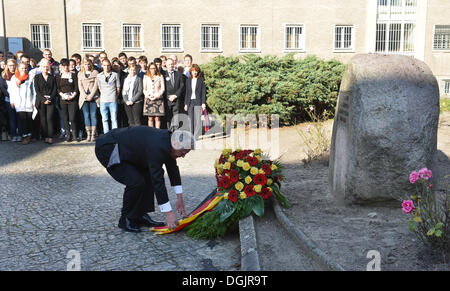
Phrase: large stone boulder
pixel 385 127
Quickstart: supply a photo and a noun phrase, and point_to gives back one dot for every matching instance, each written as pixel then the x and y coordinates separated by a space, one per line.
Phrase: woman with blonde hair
pixel 89 101
pixel 15 129
pixel 153 92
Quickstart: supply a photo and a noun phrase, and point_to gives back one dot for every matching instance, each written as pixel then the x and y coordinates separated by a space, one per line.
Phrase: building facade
pixel 329 29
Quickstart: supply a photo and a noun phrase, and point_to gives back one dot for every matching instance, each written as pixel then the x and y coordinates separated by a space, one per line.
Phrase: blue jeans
pixel 89 113
pixel 14 122
pixel 112 108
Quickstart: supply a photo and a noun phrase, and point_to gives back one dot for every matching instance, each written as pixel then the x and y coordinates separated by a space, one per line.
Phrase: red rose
pixel 252 161
pixel 265 193
pixel 248 190
pixel 234 176
pixel 260 179
pixel 266 168
pixel 233 195
pixel 225 182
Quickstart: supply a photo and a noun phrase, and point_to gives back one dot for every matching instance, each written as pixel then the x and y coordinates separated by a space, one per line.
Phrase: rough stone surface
pixel 385 127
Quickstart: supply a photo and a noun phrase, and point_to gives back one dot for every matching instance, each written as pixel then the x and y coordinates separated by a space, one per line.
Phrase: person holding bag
pixel 195 99
pixel 89 101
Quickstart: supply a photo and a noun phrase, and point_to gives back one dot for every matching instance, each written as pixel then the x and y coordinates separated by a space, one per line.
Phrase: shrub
pixel 285 86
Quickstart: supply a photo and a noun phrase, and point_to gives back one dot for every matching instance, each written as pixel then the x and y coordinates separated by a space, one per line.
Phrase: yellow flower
pixel 227 166
pixel 257 152
pixel 239 186
pixel 226 152
pixel 254 171
pixel 274 167
pixel 231 159
pixel 270 189
pixel 246 166
pixel 269 181
pixel 257 188
pixel 220 169
pixel 240 163
pixel 243 195
pixel 259 158
pixel 261 171
pixel 248 179
pixel 225 195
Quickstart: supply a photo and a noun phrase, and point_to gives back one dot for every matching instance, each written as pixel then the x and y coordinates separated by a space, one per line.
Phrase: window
pixel 171 37
pixel 132 36
pixel 210 37
pixel 441 40
pixel 343 37
pixel 446 87
pixel 40 36
pixel 294 37
pixel 396 26
pixel 92 36
pixel 249 38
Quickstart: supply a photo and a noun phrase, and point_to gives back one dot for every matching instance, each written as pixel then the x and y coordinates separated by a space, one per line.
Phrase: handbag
pixel 205 116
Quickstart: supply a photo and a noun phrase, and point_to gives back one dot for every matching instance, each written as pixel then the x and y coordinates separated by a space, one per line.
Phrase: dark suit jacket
pixel 138 95
pixel 146 148
pixel 177 89
pixel 43 88
pixel 200 92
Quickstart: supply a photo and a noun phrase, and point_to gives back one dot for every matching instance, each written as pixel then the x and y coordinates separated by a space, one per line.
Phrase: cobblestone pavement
pixel 58 198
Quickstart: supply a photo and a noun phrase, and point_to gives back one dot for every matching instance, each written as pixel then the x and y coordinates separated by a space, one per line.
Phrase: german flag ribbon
pixel 206 205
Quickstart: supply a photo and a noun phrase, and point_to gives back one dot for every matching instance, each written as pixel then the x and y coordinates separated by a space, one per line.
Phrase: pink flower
pixel 413 177
pixel 408 206
pixel 425 173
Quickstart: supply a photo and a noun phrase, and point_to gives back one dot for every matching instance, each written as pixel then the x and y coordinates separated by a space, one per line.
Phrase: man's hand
pixel 180 205
pixel 172 97
pixel 171 220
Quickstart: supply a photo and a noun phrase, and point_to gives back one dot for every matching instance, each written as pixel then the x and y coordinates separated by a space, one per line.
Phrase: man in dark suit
pixel 134 156
pixel 174 82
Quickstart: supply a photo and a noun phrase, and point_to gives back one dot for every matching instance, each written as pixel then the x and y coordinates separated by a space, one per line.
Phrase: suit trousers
pixel 172 115
pixel 138 196
pixel 195 119
pixel 134 113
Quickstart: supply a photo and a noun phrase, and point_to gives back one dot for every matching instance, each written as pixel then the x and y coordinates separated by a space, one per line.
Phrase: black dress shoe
pixel 128 225
pixel 148 222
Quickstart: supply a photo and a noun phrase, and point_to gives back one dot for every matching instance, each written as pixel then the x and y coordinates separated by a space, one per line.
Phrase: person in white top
pixel 22 99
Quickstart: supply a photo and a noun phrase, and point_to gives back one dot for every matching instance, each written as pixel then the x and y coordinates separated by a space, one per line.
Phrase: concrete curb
pixel 305 243
pixel 249 249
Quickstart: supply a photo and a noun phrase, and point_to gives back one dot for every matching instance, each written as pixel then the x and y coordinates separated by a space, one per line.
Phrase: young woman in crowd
pixel 46 94
pixel 22 99
pixel 67 83
pixel 89 97
pixel 109 87
pixel 133 97
pixel 195 99
pixel 15 129
pixel 153 92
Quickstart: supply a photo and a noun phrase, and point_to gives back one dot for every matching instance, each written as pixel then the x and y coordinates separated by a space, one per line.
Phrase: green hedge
pixel 251 84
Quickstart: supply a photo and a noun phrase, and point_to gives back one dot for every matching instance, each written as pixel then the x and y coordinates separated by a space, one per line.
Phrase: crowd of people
pixel 39 101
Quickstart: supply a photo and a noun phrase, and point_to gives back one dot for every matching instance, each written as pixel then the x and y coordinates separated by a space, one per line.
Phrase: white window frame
pixel 258 39
pixel 302 47
pixel 341 41
pixel 172 49
pixel 433 38
pixel 41 34
pixel 212 50
pixel 141 38
pixel 446 87
pixel 101 48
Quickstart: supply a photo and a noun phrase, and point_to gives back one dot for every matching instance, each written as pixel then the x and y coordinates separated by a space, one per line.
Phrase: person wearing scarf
pixel 13 118
pixel 22 99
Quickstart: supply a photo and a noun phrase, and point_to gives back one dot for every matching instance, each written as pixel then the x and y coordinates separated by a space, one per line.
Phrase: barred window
pixel 343 37
pixel 40 36
pixel 294 37
pixel 171 38
pixel 249 37
pixel 441 40
pixel 396 26
pixel 132 36
pixel 446 87
pixel 92 36
pixel 210 37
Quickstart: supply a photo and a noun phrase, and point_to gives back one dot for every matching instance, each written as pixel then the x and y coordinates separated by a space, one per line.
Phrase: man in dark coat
pixel 134 157
pixel 174 83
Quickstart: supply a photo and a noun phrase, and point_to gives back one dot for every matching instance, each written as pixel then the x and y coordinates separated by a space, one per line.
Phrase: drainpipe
pixel 5 40
pixel 65 29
